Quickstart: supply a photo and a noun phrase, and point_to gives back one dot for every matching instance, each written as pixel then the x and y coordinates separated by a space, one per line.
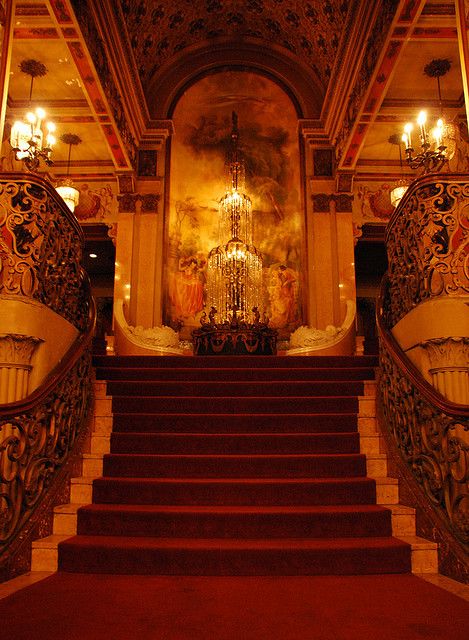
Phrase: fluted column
pixel 16 351
pixel 449 367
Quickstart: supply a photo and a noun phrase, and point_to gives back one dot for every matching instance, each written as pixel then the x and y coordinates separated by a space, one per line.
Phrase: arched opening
pixel 268 121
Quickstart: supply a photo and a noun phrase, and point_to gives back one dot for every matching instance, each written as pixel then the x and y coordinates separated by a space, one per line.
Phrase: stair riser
pixel 245 389
pixel 236 494
pixel 215 562
pixel 249 444
pixel 229 423
pixel 276 405
pixel 241 362
pixel 231 375
pixel 233 467
pixel 213 525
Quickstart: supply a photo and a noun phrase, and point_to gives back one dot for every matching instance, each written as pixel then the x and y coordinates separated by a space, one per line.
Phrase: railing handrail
pixel 62 367
pixel 431 395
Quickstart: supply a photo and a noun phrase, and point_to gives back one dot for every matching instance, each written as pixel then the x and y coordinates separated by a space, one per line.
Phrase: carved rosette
pixel 449 366
pixel 16 352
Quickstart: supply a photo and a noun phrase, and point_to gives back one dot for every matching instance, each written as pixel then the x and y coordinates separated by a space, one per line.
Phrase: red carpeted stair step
pixel 236 443
pixel 254 460
pixel 232 374
pixel 235 466
pixel 239 491
pixel 229 422
pixel 229 388
pixel 222 556
pixel 241 405
pixel 235 522
pixel 242 362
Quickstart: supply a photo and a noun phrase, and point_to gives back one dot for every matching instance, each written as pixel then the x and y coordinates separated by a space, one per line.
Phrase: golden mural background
pixel 270 148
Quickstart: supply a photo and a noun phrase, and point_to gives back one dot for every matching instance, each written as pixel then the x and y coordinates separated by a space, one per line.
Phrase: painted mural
pixel 269 145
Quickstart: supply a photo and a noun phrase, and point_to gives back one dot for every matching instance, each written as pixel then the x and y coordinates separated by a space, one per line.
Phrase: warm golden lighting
pixel 31 138
pixel 69 194
pixel 234 268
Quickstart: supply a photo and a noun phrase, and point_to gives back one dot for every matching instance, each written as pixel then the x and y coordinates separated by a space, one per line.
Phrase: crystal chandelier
pixel 437 144
pixel 66 189
pixel 234 268
pixel 32 138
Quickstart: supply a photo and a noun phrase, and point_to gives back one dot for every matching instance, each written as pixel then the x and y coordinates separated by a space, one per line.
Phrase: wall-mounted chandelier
pixel 437 142
pixel 234 268
pixel 32 138
pixel 65 188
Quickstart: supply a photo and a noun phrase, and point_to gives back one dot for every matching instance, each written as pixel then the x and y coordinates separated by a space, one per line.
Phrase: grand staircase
pixel 234 466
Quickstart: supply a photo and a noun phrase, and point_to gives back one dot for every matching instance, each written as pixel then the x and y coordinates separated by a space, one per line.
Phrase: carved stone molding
pixel 449 366
pixel 136 202
pixel 16 351
pixel 447 352
pixel 322 202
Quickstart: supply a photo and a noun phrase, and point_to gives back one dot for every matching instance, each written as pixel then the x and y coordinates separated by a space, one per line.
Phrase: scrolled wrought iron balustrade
pixel 427 243
pixel 41 246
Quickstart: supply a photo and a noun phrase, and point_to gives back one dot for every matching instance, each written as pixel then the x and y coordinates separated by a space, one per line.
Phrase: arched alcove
pixel 269 141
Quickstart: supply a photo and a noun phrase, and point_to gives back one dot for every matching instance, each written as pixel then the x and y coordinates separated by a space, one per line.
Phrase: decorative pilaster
pixel 449 367
pixel 16 352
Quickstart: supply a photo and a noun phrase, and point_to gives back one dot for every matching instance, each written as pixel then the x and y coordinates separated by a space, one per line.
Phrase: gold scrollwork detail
pixel 428 244
pixel 35 444
pixel 40 250
pixel 434 445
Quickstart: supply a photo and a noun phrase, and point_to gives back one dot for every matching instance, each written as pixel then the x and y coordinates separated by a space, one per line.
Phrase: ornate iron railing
pixel 427 243
pixel 40 256
pixel 430 432
pixel 41 247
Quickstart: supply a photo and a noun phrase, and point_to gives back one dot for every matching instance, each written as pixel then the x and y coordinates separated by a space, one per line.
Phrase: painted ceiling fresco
pixel 269 146
pixel 313 30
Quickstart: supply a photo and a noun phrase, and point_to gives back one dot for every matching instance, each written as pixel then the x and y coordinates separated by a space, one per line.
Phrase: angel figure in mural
pixel 282 289
pixel 187 288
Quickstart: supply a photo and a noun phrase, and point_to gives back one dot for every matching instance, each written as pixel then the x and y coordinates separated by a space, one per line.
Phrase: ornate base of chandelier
pixel 234 338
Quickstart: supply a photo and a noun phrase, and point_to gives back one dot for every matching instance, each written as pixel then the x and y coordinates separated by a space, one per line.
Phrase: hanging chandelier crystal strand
pixel 234 268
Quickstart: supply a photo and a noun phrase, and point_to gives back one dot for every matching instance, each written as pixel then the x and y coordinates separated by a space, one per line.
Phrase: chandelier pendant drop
pixel 234 268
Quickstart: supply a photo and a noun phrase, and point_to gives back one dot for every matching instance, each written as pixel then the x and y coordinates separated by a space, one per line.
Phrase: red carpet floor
pixel 101 607
pixel 234 466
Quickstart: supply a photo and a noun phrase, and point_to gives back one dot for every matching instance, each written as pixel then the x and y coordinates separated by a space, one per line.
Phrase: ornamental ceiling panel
pixel 159 29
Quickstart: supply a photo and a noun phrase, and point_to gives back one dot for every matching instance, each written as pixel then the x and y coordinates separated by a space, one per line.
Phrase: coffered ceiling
pixel 361 61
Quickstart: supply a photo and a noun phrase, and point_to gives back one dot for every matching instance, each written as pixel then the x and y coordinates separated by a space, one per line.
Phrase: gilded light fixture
pixel 437 143
pixel 31 138
pixel 66 190
pixel 401 186
pixel 234 268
